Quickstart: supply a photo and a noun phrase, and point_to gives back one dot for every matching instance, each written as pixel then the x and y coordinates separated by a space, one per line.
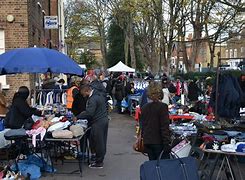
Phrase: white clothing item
pixel 186 88
pixel 57 119
pixel 228 148
pixel 166 95
pixel 40 98
pixel 59 126
pixel 49 99
pixel 63 98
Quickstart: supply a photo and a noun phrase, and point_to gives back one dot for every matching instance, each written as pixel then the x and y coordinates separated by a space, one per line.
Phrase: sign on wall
pixel 51 22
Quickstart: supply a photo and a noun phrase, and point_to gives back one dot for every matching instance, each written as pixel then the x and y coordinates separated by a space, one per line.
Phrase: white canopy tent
pixel 121 67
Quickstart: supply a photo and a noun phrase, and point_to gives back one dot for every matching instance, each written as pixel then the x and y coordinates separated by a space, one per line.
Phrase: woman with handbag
pixel 155 124
pixel 19 115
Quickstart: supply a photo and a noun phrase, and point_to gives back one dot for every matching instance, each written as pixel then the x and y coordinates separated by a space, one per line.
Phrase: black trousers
pixel 154 151
pixel 119 106
pixel 99 131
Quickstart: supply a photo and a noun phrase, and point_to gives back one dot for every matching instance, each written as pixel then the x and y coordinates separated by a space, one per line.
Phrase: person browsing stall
pixel 20 111
pixel 71 93
pixel 155 124
pixel 96 109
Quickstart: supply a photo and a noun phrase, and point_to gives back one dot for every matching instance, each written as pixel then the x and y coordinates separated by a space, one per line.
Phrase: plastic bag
pixel 124 103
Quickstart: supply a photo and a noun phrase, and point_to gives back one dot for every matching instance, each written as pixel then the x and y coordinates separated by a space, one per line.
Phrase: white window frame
pixel 235 53
pixel 3 79
pixel 231 53
pixel 227 53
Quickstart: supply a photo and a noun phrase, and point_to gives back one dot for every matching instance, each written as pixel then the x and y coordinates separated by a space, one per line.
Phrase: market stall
pixel 120 67
pixel 56 125
pixel 217 143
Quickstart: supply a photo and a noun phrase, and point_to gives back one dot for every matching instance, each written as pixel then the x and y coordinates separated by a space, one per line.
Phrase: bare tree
pixel 123 11
pixel 224 21
pixel 99 16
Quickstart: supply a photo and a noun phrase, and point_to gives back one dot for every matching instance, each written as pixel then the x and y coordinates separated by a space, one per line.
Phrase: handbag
pixel 139 143
pixel 170 169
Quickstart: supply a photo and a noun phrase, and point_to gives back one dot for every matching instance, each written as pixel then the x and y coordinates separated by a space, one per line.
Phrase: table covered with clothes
pixel 49 137
pixel 219 145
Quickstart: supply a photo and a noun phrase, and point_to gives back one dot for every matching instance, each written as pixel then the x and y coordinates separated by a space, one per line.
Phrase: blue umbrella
pixel 37 60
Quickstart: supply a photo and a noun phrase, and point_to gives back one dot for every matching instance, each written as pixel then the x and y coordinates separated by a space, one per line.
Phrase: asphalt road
pixel 121 161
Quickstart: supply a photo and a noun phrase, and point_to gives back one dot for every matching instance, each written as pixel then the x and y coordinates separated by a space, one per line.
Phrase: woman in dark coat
pixel 155 124
pixel 119 93
pixel 193 91
pixel 20 110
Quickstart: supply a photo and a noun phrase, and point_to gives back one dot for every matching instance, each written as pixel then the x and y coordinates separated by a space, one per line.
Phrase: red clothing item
pixel 178 86
pixel 137 114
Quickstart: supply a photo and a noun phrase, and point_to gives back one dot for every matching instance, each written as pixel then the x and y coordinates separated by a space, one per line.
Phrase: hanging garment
pixel 229 99
pixel 49 99
pixel 64 98
pixel 39 99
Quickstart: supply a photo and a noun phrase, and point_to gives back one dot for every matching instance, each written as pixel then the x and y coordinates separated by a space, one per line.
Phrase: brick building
pixel 203 57
pixel 236 49
pixel 21 26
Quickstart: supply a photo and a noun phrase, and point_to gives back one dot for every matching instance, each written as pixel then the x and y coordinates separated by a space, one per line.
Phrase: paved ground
pixel 121 162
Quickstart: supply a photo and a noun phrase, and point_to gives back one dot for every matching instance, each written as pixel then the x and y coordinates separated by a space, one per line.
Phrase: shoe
pixel 96 166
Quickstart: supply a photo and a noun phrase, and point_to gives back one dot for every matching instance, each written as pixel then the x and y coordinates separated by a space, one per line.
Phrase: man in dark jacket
pixel 98 86
pixel 96 109
pixel 20 110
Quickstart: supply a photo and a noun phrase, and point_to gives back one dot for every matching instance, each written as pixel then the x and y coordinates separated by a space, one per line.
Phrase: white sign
pixel 51 22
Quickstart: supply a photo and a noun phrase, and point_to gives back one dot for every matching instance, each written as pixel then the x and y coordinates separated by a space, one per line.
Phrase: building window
pixel 242 49
pixel 226 53
pixel 235 53
pixel 3 80
pixel 231 53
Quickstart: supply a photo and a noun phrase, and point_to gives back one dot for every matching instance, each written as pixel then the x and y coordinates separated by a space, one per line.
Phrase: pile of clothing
pixel 27 167
pixel 184 129
pixel 227 141
pixel 55 127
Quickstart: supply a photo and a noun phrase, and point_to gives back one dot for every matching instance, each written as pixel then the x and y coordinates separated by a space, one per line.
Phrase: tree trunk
pixel 212 59
pixel 126 47
pixel 195 48
pixel 185 57
pixel 154 63
pixel 131 44
pixel 103 46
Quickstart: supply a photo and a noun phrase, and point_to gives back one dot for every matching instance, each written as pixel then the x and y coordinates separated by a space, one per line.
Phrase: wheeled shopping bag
pixel 170 169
